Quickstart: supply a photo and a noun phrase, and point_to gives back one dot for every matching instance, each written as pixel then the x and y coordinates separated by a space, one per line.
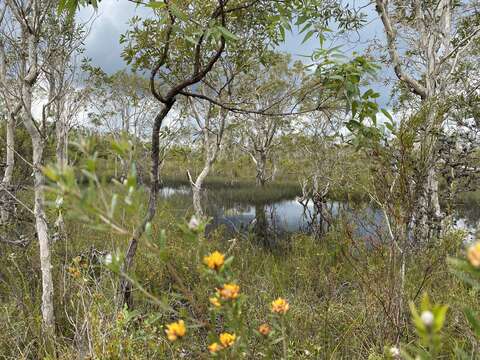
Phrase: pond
pixel 280 216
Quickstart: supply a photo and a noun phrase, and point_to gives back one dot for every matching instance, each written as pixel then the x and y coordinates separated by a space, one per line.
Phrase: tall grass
pixel 335 288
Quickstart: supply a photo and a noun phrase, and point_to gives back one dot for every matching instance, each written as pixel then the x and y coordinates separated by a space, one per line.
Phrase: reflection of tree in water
pixel 218 205
pixel 318 218
pixel 268 232
pixel 261 225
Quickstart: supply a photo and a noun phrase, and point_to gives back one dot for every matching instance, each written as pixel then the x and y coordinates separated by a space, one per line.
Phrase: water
pixel 285 216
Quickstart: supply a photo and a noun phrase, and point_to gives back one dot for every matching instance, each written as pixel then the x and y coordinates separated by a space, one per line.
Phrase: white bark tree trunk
pixel 42 233
pixel 5 200
pixel 10 153
pixel 197 189
pixel 48 318
pixel 61 152
pixel 211 145
pixel 61 129
pixel 261 169
pixel 40 216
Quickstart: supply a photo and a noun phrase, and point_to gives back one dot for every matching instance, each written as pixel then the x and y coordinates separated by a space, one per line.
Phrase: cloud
pixel 102 44
pixel 103 47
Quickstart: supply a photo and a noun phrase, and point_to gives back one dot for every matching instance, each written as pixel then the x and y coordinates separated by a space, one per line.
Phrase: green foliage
pixel 428 320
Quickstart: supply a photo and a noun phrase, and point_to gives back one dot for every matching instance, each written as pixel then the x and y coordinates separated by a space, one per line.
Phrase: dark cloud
pixel 103 47
pixel 102 44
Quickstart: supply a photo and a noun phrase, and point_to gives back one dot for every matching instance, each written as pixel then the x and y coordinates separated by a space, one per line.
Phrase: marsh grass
pixel 335 312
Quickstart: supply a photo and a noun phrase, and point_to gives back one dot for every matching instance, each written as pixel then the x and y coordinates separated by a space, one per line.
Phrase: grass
pixel 337 292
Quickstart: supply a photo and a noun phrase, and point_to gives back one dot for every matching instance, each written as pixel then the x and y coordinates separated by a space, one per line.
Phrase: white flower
pixel 108 259
pixel 59 202
pixel 427 318
pixel 394 351
pixel 194 223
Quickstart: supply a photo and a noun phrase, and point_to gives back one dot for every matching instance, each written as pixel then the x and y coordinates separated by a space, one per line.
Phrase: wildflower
pixel 108 259
pixel 427 318
pixel 193 224
pixel 74 272
pixel 280 306
pixel 215 260
pixel 229 291
pixel 59 202
pixel 264 329
pixel 394 351
pixel 473 254
pixel 214 347
pixel 227 339
pixel 215 302
pixel 175 330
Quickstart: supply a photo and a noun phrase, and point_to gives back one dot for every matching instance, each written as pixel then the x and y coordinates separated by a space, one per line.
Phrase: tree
pixel 122 105
pixel 433 50
pixel 199 30
pixel 211 124
pixel 271 86
pixel 12 107
pixel 30 20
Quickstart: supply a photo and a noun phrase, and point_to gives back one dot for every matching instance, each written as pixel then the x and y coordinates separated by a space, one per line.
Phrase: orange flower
pixel 215 302
pixel 215 260
pixel 73 271
pixel 280 306
pixel 227 339
pixel 214 347
pixel 229 291
pixel 264 329
pixel 176 330
pixel 473 254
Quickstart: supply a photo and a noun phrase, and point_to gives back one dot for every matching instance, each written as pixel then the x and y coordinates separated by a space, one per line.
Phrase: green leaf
pixel 227 34
pixel 308 36
pixel 387 114
pixel 440 315
pixel 473 320
pixel 113 205
pixel 179 13
pixel 156 5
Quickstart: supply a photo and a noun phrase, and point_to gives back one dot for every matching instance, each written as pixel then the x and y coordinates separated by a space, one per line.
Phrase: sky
pixel 111 20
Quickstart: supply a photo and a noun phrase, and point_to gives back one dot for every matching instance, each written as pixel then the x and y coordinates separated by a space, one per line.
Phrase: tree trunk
pixel 62 142
pixel 6 203
pixel 62 161
pixel 261 169
pixel 433 192
pixel 197 189
pixel 125 286
pixel 38 187
pixel 42 233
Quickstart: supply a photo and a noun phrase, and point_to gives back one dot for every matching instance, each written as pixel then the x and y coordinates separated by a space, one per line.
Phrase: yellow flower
pixel 215 302
pixel 74 272
pixel 215 260
pixel 473 254
pixel 229 291
pixel 264 329
pixel 214 347
pixel 227 339
pixel 175 330
pixel 280 306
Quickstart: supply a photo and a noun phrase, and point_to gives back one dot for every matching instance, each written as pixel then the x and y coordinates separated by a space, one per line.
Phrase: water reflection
pixel 271 221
